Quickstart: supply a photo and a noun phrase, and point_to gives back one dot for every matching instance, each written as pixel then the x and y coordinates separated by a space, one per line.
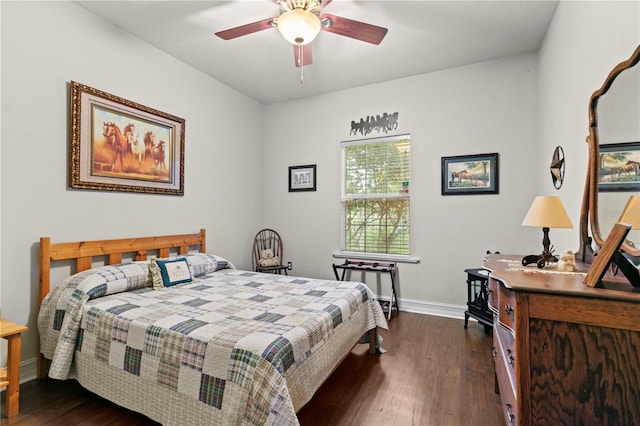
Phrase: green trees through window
pixel 375 195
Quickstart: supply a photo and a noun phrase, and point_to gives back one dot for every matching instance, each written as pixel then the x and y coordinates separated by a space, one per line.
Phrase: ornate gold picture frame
pixel 120 145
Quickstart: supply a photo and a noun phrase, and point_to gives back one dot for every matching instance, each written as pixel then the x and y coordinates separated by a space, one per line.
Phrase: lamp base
pixel 539 259
pixel 547 252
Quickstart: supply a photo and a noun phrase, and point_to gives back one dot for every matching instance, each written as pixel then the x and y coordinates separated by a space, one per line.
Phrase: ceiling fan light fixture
pixel 299 26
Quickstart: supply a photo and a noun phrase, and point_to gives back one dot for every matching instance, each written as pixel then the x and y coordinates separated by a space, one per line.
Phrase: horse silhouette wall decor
pixel 378 123
pixel 120 145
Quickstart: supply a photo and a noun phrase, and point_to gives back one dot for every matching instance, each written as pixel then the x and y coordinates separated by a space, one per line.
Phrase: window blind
pixel 375 195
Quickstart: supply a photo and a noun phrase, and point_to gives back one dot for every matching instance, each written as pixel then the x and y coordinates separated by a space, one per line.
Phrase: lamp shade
pixel 547 212
pixel 631 212
pixel 299 26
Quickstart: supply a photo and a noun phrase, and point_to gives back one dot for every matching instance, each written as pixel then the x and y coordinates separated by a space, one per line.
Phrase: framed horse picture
pixel 619 167
pixel 120 145
pixel 470 174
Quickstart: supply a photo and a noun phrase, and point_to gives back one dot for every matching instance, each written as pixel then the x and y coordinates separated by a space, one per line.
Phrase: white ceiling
pixel 424 36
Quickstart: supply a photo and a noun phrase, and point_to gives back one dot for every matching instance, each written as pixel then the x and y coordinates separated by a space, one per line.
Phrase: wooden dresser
pixel 565 353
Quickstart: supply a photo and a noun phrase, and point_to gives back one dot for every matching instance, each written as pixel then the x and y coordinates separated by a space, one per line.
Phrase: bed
pixel 224 347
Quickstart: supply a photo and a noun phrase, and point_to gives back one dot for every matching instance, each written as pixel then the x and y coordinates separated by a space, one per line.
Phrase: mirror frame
pixel 589 212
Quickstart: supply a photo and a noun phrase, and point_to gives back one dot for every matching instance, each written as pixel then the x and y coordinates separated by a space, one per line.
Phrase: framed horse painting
pixel 120 145
pixel 470 174
pixel 619 167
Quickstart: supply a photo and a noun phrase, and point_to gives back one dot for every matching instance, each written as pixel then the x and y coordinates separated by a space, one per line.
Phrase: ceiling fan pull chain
pixel 301 62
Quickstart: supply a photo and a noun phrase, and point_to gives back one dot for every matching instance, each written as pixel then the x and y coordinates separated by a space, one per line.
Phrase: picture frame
pixel 619 167
pixel 120 145
pixel 302 178
pixel 607 254
pixel 470 174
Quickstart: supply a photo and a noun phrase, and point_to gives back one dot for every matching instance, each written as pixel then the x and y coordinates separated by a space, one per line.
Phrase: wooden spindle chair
pixel 264 240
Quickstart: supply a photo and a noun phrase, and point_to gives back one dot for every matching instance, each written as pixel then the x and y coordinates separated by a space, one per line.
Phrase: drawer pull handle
pixel 510 416
pixel 510 356
pixel 508 309
pixel 494 351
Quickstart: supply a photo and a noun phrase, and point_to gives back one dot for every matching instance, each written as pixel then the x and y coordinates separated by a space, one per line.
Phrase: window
pixel 375 195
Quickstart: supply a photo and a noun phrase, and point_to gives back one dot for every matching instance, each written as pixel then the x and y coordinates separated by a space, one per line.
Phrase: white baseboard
pixel 28 370
pixel 430 308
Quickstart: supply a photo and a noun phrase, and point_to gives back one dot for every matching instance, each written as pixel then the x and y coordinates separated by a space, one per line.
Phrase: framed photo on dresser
pixel 607 253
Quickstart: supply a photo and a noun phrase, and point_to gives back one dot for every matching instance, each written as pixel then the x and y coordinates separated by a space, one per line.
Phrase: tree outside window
pixel 375 195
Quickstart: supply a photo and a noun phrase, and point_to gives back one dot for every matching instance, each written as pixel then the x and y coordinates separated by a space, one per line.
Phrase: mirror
pixel 614 148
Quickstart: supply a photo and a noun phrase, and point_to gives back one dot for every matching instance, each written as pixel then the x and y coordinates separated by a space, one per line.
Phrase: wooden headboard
pixel 83 252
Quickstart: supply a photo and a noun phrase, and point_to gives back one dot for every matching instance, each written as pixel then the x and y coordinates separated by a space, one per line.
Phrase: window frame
pixel 344 253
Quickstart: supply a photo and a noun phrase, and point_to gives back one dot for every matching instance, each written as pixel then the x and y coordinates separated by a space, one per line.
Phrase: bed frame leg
pixel 373 340
pixel 43 367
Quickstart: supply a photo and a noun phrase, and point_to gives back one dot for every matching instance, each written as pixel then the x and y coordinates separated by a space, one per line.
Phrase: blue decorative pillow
pixel 169 272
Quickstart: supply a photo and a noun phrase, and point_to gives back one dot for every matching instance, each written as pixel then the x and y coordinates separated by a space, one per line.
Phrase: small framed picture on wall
pixel 470 174
pixel 302 178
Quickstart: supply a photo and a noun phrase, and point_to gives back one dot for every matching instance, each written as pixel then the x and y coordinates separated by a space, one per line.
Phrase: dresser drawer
pixel 493 293
pixel 507 347
pixel 505 378
pixel 507 307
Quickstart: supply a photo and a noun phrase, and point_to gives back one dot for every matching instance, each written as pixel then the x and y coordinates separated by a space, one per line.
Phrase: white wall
pixel 497 106
pixel 521 107
pixel 44 46
pixel 482 108
pixel 585 40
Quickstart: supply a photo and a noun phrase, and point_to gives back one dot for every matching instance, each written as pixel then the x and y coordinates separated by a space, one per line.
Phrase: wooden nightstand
pixel 10 377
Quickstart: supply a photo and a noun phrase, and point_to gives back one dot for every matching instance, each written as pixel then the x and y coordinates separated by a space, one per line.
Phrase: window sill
pixel 399 258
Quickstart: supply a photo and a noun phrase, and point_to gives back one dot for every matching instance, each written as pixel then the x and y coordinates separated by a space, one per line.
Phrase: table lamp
pixel 631 212
pixel 545 212
pixel 629 264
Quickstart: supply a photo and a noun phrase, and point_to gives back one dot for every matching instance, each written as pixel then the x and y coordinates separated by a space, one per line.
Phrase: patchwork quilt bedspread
pixel 229 329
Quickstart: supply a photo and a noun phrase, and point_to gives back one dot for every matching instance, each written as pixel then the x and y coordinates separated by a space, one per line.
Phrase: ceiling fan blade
pixel 307 57
pixel 242 30
pixel 354 29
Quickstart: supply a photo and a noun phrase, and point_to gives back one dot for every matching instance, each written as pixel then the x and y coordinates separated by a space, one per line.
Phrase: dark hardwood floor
pixel 434 373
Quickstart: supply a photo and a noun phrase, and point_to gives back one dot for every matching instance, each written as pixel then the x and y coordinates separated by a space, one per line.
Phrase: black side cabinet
pixel 478 298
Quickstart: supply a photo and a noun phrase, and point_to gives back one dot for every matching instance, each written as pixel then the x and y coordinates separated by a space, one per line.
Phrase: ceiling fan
pixel 300 22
